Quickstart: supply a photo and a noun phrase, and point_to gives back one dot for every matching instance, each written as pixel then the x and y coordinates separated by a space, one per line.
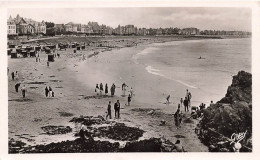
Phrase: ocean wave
pixel 143 53
pixel 154 71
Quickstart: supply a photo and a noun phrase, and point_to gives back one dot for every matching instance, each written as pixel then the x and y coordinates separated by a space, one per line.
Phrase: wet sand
pixel 65 76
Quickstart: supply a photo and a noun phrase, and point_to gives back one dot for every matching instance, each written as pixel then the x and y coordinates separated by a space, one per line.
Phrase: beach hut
pixel 9 52
pixel 18 50
pixel 32 53
pixel 78 47
pixel 83 47
pixel 50 57
pixel 73 46
pixel 13 54
pixel 11 46
pixel 37 48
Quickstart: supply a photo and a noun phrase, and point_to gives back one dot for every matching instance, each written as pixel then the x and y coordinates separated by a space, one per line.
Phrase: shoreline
pixel 69 99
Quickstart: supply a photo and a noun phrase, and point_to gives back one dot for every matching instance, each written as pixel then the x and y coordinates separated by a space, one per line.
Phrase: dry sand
pixel 65 76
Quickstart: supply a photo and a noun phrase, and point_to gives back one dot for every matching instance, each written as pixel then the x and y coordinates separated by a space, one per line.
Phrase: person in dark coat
pixel 23 91
pixel 106 89
pixel 117 109
pixel 17 85
pixel 46 91
pixel 109 110
pixel 12 74
pixel 129 99
pixel 186 104
pixel 101 88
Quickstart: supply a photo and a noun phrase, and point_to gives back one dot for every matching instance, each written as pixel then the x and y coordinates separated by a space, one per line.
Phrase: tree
pixel 49 24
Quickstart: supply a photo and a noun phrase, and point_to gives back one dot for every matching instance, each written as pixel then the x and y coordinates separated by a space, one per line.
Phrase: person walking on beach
pixel 23 91
pixel 46 91
pixel 17 85
pixel 106 89
pixel 168 99
pixel 186 104
pixel 97 89
pixel 117 109
pixel 109 110
pixel 101 88
pixel 12 74
pixel 129 99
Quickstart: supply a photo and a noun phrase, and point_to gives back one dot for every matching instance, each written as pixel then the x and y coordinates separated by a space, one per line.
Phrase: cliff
pixel 232 114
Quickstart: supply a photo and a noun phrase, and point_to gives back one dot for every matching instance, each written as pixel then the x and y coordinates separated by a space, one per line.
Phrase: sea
pixel 204 67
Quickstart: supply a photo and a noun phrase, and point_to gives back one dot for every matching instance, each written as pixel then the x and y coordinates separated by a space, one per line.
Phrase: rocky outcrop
pixel 232 114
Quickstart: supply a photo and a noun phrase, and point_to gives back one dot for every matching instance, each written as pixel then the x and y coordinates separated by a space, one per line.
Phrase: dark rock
pixel 53 130
pixel 232 114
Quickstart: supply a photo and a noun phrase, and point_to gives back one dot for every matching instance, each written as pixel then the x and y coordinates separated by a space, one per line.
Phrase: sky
pixel 181 17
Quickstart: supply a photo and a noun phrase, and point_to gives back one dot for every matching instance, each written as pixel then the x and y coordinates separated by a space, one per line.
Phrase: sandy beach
pixel 73 80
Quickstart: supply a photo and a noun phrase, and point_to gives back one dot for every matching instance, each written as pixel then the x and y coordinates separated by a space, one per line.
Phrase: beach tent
pixel 47 50
pixel 18 50
pixel 24 53
pixel 50 57
pixel 73 46
pixel 13 54
pixel 78 47
pixel 32 53
pixel 83 47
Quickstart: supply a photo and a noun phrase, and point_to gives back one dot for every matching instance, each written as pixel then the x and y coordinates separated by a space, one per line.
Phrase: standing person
pixel 101 88
pixel 188 95
pixel 48 63
pixel 211 103
pixel 124 88
pixel 12 74
pixel 52 94
pixel 17 85
pixel 131 92
pixel 112 89
pixel 50 91
pixel 97 89
pixel 129 99
pixel 23 91
pixel 117 109
pixel 181 102
pixel 177 117
pixel 186 104
pixel 109 110
pixel 106 89
pixel 46 91
pixel 16 75
pixel 36 59
pixel 168 99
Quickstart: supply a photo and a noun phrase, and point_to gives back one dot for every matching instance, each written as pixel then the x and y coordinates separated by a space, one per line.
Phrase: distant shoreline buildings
pixel 20 26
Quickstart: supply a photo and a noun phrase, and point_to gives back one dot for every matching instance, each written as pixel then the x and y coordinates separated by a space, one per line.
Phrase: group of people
pixel 99 89
pixel 49 92
pixel 187 101
pixel 116 108
pixel 14 75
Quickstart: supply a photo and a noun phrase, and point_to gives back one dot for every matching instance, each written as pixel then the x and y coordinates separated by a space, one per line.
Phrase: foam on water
pixel 154 71
pixel 143 53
